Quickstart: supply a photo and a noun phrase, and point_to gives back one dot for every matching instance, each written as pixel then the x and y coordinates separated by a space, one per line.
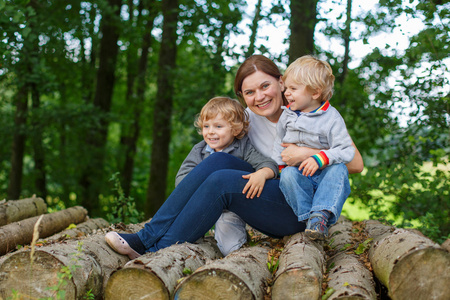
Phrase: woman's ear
pixel 281 83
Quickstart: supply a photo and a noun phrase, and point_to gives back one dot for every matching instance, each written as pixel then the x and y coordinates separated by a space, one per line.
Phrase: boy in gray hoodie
pixel 310 121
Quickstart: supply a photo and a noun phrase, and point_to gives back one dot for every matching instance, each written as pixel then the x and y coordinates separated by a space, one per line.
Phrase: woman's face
pixel 263 95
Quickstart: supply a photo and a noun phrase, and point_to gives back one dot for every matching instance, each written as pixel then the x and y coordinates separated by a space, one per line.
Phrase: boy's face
pixel 217 133
pixel 299 97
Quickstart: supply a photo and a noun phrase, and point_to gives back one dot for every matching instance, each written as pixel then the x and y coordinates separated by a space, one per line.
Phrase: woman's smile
pixel 262 94
pixel 265 104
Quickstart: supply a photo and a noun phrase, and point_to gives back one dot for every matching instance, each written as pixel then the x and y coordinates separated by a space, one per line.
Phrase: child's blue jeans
pixel 306 194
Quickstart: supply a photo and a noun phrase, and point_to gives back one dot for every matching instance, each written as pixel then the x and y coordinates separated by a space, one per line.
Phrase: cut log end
pixel 296 283
pixel 14 269
pixel 133 283
pixel 423 274
pixel 214 284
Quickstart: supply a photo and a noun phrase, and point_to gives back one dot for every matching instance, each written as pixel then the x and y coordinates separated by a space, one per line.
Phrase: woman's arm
pixel 357 163
pixel 293 155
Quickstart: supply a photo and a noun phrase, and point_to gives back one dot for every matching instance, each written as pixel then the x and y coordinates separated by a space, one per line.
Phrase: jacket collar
pixel 323 107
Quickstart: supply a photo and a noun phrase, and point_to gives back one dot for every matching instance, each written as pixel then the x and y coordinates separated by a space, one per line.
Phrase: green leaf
pixel 328 293
pixel 346 246
pixel 71 226
pixel 187 271
pixel 363 246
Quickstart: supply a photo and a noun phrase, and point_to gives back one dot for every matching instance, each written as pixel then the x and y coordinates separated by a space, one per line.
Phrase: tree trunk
pixel 302 26
pixel 254 29
pixel 347 33
pixel 240 275
pixel 155 275
pixel 38 147
pixel 96 139
pixel 18 144
pixel 130 139
pixel 82 229
pixel 16 210
pixel 21 233
pixel 347 276
pixel 162 113
pixel 409 265
pixel 299 274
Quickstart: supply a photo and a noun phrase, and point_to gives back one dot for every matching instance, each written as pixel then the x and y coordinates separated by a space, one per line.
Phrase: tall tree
pixel 156 192
pixel 26 70
pixel 18 145
pixel 136 88
pixel 254 29
pixel 37 144
pixel 303 23
pixel 93 174
pixel 346 33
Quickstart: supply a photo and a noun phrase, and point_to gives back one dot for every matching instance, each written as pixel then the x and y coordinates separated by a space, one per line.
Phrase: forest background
pixel 98 97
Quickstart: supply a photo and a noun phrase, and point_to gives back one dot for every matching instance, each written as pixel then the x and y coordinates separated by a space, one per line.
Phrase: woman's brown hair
pixel 251 65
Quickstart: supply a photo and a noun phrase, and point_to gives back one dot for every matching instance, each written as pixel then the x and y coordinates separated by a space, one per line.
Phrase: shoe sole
pixel 315 235
pixel 119 245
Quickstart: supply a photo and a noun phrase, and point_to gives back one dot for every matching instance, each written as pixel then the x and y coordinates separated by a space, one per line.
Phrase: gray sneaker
pixel 316 228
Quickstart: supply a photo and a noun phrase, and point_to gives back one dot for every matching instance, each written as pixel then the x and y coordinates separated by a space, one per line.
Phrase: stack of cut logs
pixel 65 253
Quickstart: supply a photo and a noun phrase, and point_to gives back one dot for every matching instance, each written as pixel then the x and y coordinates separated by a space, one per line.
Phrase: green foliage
pixel 430 227
pixel 363 247
pixel 187 271
pixel 329 291
pixel 123 208
pixel 272 265
pixel 66 274
pixel 407 163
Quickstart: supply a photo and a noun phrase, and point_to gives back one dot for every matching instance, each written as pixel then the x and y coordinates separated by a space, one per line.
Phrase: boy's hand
pixel 256 181
pixel 309 167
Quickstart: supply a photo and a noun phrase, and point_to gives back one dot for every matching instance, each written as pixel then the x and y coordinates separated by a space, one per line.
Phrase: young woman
pixel 217 183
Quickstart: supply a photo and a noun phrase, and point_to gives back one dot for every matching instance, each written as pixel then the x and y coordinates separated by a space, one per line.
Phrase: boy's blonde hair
pixel 230 109
pixel 314 73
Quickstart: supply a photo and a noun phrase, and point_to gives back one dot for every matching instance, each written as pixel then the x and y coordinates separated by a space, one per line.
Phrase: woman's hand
pixel 256 181
pixel 294 155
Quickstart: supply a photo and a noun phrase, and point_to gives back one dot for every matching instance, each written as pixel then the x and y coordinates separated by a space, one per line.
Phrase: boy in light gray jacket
pixel 310 121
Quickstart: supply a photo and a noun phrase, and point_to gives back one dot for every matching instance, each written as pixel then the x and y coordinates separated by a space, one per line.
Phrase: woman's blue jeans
pixel 327 189
pixel 199 199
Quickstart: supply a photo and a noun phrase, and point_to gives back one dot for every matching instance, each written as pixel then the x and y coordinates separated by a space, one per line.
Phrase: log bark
pixel 446 245
pixel 299 274
pixel 155 275
pixel 347 275
pixel 21 232
pixel 16 210
pixel 240 275
pixel 409 265
pixel 82 229
pixel 90 261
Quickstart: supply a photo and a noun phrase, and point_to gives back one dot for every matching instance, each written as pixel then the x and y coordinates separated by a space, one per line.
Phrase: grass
pixel 360 212
pixel 355 211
